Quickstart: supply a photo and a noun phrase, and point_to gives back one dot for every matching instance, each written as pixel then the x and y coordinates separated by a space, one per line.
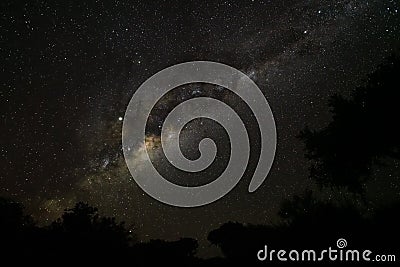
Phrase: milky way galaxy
pixel 69 70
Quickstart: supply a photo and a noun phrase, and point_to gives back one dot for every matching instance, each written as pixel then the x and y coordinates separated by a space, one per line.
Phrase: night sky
pixel 68 71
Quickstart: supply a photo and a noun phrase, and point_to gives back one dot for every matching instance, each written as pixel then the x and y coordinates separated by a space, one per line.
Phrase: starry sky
pixel 69 69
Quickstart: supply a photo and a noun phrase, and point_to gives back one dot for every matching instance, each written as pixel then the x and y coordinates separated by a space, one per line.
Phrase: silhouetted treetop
pixel 364 130
pixel 12 217
pixel 83 226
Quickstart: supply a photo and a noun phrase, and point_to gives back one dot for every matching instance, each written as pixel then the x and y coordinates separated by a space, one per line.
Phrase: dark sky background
pixel 68 71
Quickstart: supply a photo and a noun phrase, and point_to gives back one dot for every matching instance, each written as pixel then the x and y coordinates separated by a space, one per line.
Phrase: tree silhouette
pixel 12 217
pixel 363 132
pixel 81 235
pixel 14 225
pixel 81 231
pixel 308 223
pixel 364 129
